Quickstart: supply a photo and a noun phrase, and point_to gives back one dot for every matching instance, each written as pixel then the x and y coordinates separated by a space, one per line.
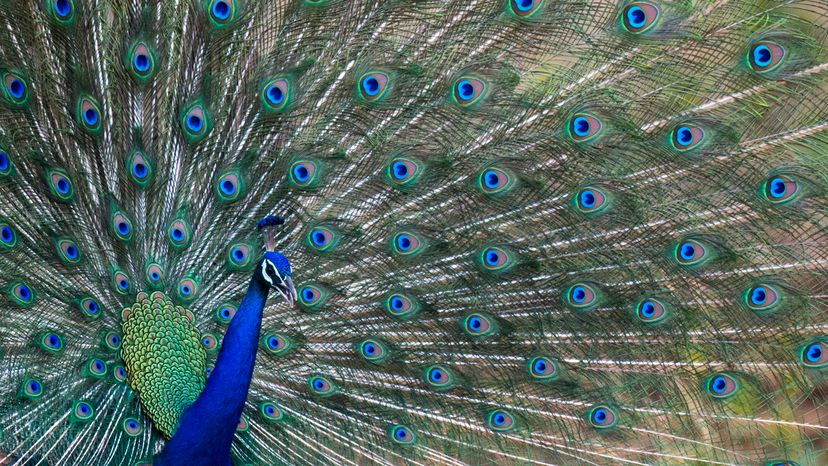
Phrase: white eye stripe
pixel 266 276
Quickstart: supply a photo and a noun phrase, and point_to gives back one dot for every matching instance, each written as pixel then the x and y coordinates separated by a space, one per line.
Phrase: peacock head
pixel 274 268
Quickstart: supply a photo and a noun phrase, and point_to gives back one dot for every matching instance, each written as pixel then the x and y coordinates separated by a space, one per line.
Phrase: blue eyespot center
pixel 270 410
pixel 318 384
pixel 4 161
pixel 84 408
pixel 581 126
pixel 194 123
pixel 63 186
pixel 221 10
pixel 491 178
pixel 307 294
pixel 227 187
pixel 401 433
pixel 400 170
pixel 371 85
pixel 762 55
pixel 719 384
pixel 34 387
pixel 436 375
pixel 684 136
pixel 24 292
pixel 588 198
pixel 185 290
pixel 71 252
pixel 318 238
pixel 778 187
pixel 636 17
pixel 155 276
pixel 370 348
pixel 275 94
pixel 600 415
pixel 475 323
pixel 648 309
pixel 687 251
pixel 53 341
pixel 123 284
pixel 123 228
pixel 140 170
pixel 814 352
pixel 525 5
pixel 579 294
pixel 142 62
pixel 397 304
pixel 90 116
pixel 63 8
pixel 177 234
pixel 7 234
pixel 92 307
pixel 98 366
pixel 301 173
pixel 17 88
pixel 492 257
pixel 404 242
pixel 273 342
pixel 540 365
pixel 759 295
pixel 465 89
pixel 238 254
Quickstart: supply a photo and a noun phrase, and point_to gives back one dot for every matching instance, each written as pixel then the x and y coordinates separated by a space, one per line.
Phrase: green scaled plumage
pixel 521 231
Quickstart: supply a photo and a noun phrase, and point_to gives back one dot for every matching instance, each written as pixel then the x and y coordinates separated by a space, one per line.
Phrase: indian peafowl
pixel 520 232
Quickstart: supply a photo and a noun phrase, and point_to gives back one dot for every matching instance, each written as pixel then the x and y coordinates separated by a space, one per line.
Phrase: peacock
pixel 353 232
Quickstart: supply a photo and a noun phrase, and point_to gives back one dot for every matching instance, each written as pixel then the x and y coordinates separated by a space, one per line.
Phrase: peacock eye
pixel 22 294
pixel 321 386
pixel 721 386
pixel 590 200
pixel 89 114
pixel 63 11
pixel 140 168
pixel 238 256
pixel 187 289
pixel 5 163
pixel 322 239
pixel 112 341
pixel 780 189
pixel 51 342
pixel 121 282
pixel 439 377
pixel 500 420
pixel 602 417
pixel 154 275
pixel 142 62
pixel 524 8
pixel 179 234
pixel 373 350
pixel 761 298
pixel 581 297
pixel 222 12
pixel 68 251
pixel 496 259
pixel 765 56
pixel 90 308
pixel 479 325
pixel 402 435
pixel 195 122
pixel 120 373
pixel 271 411
pixel 305 174
pixel 403 171
pixel 131 427
pixel 468 90
pixel 543 368
pixel 373 86
pixel 406 243
pixel 401 306
pixel 96 367
pixel 230 186
pixel 82 411
pixel 277 344
pixel 31 388
pixel 686 136
pixel 584 127
pixel 275 94
pixel 15 89
pixel 691 253
pixel 8 238
pixel 650 311
pixel 639 17
pixel 225 313
pixel 121 226
pixel 61 185
pixel 814 355
pixel 494 180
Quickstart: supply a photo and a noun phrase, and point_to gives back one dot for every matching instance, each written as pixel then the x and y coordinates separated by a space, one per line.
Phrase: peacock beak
pixel 286 289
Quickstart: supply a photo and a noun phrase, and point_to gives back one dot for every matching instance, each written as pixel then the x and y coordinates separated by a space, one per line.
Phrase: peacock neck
pixel 206 430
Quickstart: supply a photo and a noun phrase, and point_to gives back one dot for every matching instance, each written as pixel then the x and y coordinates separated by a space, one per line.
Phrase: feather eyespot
pixel 304 174
pixel 524 8
pixel 15 89
pixel 582 297
pixel 8 237
pixel 721 385
pixel 51 342
pixel 68 251
pixel 401 306
pixel 373 86
pixel 225 313
pixel 179 234
pixel 31 388
pixel 312 296
pixel 132 427
pixel 230 186
pixel 403 171
pixel 154 275
pixel 60 185
pixel 275 95
pixel 496 259
pixel 765 56
pixel 692 253
pixel 468 91
pixel 88 114
pixel 141 62
pixel 112 341
pixel 584 127
pixel 439 378
pixel 22 294
pixel 494 180
pixel 544 369
pixel 90 308
pixel 762 298
pixel 322 239
pixel 373 350
pixel 780 189
pixel 62 11
pixel 209 342
pixel 500 420
pixel 195 122
pixel 402 435
pixel 321 386
pixel 222 12
pixel 406 243
pixel 686 136
pixel 140 168
pixel 591 200
pixel 187 289
pixel 640 17
pixel 479 325
pixel 120 374
pixel 6 164
pixel 602 417
pixel 239 257
pixel 814 355
pixel 82 411
pixel 277 344
pixel 121 282
pixel 650 311
pixel 271 411
pixel 96 368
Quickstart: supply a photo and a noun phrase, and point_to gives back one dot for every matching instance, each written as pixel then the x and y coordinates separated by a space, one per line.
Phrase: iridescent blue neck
pixel 206 430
